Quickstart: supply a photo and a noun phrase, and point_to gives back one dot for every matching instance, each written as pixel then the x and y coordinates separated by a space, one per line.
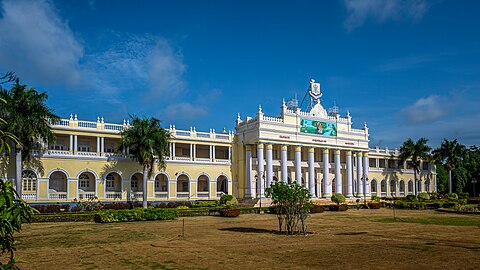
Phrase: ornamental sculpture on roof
pixel 315 94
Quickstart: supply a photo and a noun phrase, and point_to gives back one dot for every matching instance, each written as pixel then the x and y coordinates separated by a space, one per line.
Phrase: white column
pixel 269 164
pixel 249 189
pixel 359 175
pixel 229 153
pixel 366 184
pixel 169 145
pixel 213 152
pixel 71 144
pixel 191 151
pixel 338 176
pixel 260 170
pixel 210 153
pixel 349 174
pixel 311 170
pixel 284 160
pixel 98 144
pixel 298 164
pixel 327 186
pixel 194 151
pixel 102 144
pixel 173 150
pixel 75 143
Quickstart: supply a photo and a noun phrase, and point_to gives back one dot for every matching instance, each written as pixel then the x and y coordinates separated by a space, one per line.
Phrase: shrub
pixel 375 198
pixel 139 214
pixel 434 205
pixel 52 208
pixel 374 205
pixel 462 201
pixel 63 217
pixel 452 197
pixel 463 195
pixel 181 207
pixel 338 198
pixel 411 198
pixel 435 196
pixel 204 204
pixel 225 198
pixel 467 208
pixel 423 196
pixel 400 204
pixel 117 206
pixel 337 207
pixel 229 212
pixel 449 204
pixel 316 209
pixel 171 205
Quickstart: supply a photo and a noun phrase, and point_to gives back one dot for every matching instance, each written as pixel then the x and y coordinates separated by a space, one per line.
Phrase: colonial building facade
pixel 319 150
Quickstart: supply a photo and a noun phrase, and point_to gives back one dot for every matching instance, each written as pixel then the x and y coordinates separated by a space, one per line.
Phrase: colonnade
pixel 265 175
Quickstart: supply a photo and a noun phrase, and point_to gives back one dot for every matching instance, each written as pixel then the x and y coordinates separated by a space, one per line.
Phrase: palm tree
pixel 415 152
pixel 28 116
pixel 148 143
pixel 450 153
pixel 6 138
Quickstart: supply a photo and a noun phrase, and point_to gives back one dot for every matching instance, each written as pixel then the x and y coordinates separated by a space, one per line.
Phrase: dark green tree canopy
pixel 28 117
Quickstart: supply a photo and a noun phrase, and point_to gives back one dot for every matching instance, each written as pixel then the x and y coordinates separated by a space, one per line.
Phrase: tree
pixel 415 152
pixel 450 154
pixel 338 198
pixel 13 212
pixel 292 204
pixel 29 119
pixel 148 143
pixel 6 138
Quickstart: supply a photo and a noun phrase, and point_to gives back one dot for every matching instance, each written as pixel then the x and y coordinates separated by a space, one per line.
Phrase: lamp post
pixel 474 181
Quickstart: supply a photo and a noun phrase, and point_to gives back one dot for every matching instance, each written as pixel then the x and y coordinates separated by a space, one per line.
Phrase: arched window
pixel 134 183
pixel 393 186
pixel 161 183
pixel 427 185
pixel 202 183
pixel 57 182
pixel 383 186
pixel 110 181
pixel 182 183
pixel 84 181
pixel 410 186
pixel 29 179
pixel 373 186
pixel 402 186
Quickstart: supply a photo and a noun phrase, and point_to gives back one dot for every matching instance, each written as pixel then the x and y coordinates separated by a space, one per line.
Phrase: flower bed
pixel 229 212
pixel 139 214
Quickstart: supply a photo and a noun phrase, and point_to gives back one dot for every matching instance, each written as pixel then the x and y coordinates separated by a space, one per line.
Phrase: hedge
pixel 64 217
pixel 139 214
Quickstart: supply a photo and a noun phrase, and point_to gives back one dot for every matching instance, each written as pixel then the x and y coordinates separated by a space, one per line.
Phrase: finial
pixel 348 113
pixel 260 108
pixel 75 117
pixel 98 119
pixel 102 120
pixel 128 122
pixel 71 117
pixel 173 126
pixel 283 102
pixel 238 116
pixel 365 124
pixel 224 130
pixel 213 130
pixel 191 129
pixel 125 122
pixel 194 129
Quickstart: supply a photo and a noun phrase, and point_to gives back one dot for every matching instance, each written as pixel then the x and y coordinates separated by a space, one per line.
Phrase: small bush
pixel 316 209
pixel 375 198
pixel 182 207
pixel 338 198
pixel 63 217
pixel 400 204
pixel 171 205
pixel 374 205
pixel 463 195
pixel 52 208
pixel 434 205
pixel 229 212
pixel 435 196
pixel 225 198
pixel 452 197
pixel 411 198
pixel 117 206
pixel 423 196
pixel 139 214
pixel 449 204
pixel 228 201
pixel 204 204
pixel 336 207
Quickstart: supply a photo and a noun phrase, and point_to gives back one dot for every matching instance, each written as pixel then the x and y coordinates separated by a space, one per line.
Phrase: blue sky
pixel 410 68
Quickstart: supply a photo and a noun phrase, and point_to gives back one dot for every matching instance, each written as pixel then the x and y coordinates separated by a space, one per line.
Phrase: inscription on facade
pixel 349 143
pixel 317 140
pixel 284 137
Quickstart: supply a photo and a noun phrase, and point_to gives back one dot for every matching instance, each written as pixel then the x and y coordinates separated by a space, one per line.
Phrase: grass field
pixel 364 239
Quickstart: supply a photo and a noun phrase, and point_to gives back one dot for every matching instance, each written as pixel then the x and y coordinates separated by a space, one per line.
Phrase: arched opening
pixel 419 186
pixel 334 186
pixel 373 187
pixel 136 185
pixel 393 188
pixel 57 186
pixel 113 186
pixel 183 186
pixel 86 185
pixel 222 185
pixel 410 187
pixel 427 185
pixel 203 186
pixel 402 188
pixel 383 187
pixel 161 186
pixel 29 185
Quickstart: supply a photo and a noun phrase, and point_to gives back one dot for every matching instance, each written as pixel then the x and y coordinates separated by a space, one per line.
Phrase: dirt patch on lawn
pixel 337 240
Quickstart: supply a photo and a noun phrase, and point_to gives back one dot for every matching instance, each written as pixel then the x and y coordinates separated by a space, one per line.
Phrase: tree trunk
pixel 145 185
pixel 18 173
pixel 450 183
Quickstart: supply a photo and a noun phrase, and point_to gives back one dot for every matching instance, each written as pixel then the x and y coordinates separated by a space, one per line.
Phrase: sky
pixel 409 68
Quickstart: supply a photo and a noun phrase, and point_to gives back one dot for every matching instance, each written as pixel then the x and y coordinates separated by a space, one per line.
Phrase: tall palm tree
pixel 28 116
pixel 148 143
pixel 415 152
pixel 6 138
pixel 450 153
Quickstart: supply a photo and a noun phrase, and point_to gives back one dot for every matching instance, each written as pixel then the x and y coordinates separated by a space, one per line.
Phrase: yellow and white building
pixel 322 151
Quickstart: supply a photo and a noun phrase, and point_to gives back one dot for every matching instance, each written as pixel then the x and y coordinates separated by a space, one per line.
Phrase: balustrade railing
pixel 183 194
pixel 90 154
pixel 113 127
pixel 86 195
pixel 87 124
pixel 161 194
pixel 57 195
pixel 137 195
pixel 113 195
pixel 29 196
pixel 202 194
pixel 183 158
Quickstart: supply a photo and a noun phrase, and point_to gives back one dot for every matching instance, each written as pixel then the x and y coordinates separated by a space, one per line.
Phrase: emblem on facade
pixel 314 90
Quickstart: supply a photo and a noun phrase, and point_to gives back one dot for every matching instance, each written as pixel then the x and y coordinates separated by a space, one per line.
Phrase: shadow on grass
pixel 254 230
pixel 351 233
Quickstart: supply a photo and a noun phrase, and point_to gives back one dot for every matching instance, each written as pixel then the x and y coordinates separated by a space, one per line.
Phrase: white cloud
pixel 359 11
pixel 37 44
pixel 426 110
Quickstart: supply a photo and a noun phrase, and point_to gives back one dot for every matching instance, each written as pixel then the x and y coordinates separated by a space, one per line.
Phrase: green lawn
pixel 445 221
